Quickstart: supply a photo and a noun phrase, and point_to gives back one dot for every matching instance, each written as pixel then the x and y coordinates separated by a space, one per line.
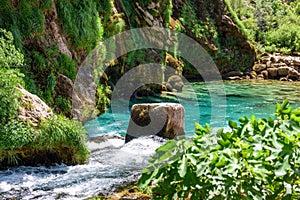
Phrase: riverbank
pixel 271 67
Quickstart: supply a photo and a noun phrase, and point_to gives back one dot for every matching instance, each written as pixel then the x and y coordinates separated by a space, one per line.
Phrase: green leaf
pixel 284 167
pixel 296 112
pixel 192 158
pixel 222 162
pixel 182 167
pixel 284 104
pixel 232 124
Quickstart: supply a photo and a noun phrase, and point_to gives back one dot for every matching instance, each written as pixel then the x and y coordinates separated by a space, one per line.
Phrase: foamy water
pixel 111 164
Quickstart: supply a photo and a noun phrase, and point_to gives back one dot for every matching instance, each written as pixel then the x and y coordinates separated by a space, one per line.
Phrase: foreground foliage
pixel 258 159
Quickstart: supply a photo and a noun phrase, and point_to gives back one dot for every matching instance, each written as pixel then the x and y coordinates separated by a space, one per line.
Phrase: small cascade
pixel 111 165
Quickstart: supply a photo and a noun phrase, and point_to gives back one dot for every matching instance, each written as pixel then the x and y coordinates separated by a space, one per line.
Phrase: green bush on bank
pixel 56 139
pixel 258 159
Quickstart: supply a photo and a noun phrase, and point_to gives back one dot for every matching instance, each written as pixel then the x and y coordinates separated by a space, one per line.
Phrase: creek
pixel 113 163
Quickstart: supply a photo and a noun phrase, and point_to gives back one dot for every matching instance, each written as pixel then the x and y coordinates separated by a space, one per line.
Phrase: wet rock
pixel 264 59
pixel 232 74
pixel 253 74
pixel 265 74
pixel 175 82
pixel 259 67
pixel 283 71
pixel 268 64
pixel 162 119
pixel 293 75
pixel 174 63
pixel 234 78
pixel 33 109
pixel 277 65
pixel 272 72
pixel 274 59
pixel 296 61
pixel 247 77
pixel 260 77
pixel 283 79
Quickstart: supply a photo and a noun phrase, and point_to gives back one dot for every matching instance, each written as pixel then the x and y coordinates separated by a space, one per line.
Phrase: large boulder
pixel 273 72
pixel 293 75
pixel 162 119
pixel 283 71
pixel 33 110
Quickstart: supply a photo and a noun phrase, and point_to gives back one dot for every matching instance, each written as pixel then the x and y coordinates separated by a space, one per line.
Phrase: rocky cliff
pixel 56 36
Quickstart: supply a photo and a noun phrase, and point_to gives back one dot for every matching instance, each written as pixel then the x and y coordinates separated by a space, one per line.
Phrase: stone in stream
pixel 162 119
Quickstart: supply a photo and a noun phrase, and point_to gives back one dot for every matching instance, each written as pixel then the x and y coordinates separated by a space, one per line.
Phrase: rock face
pixel 33 109
pixel 162 119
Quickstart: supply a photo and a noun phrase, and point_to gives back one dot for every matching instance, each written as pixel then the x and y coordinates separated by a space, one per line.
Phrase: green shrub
pixel 80 22
pixel 9 78
pixel 15 134
pixel 46 4
pixel 31 18
pixel 38 61
pixel 258 159
pixel 9 55
pixel 67 66
pixel 272 23
pixel 287 35
pixel 63 104
pixel 61 133
pixel 29 82
pixel 103 93
pixel 58 139
pixel 9 95
pixel 50 87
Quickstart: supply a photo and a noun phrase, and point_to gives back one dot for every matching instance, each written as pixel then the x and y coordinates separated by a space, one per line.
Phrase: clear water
pixel 243 98
pixel 112 163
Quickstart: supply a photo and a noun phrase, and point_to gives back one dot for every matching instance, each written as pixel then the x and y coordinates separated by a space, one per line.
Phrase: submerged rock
pixel 162 119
